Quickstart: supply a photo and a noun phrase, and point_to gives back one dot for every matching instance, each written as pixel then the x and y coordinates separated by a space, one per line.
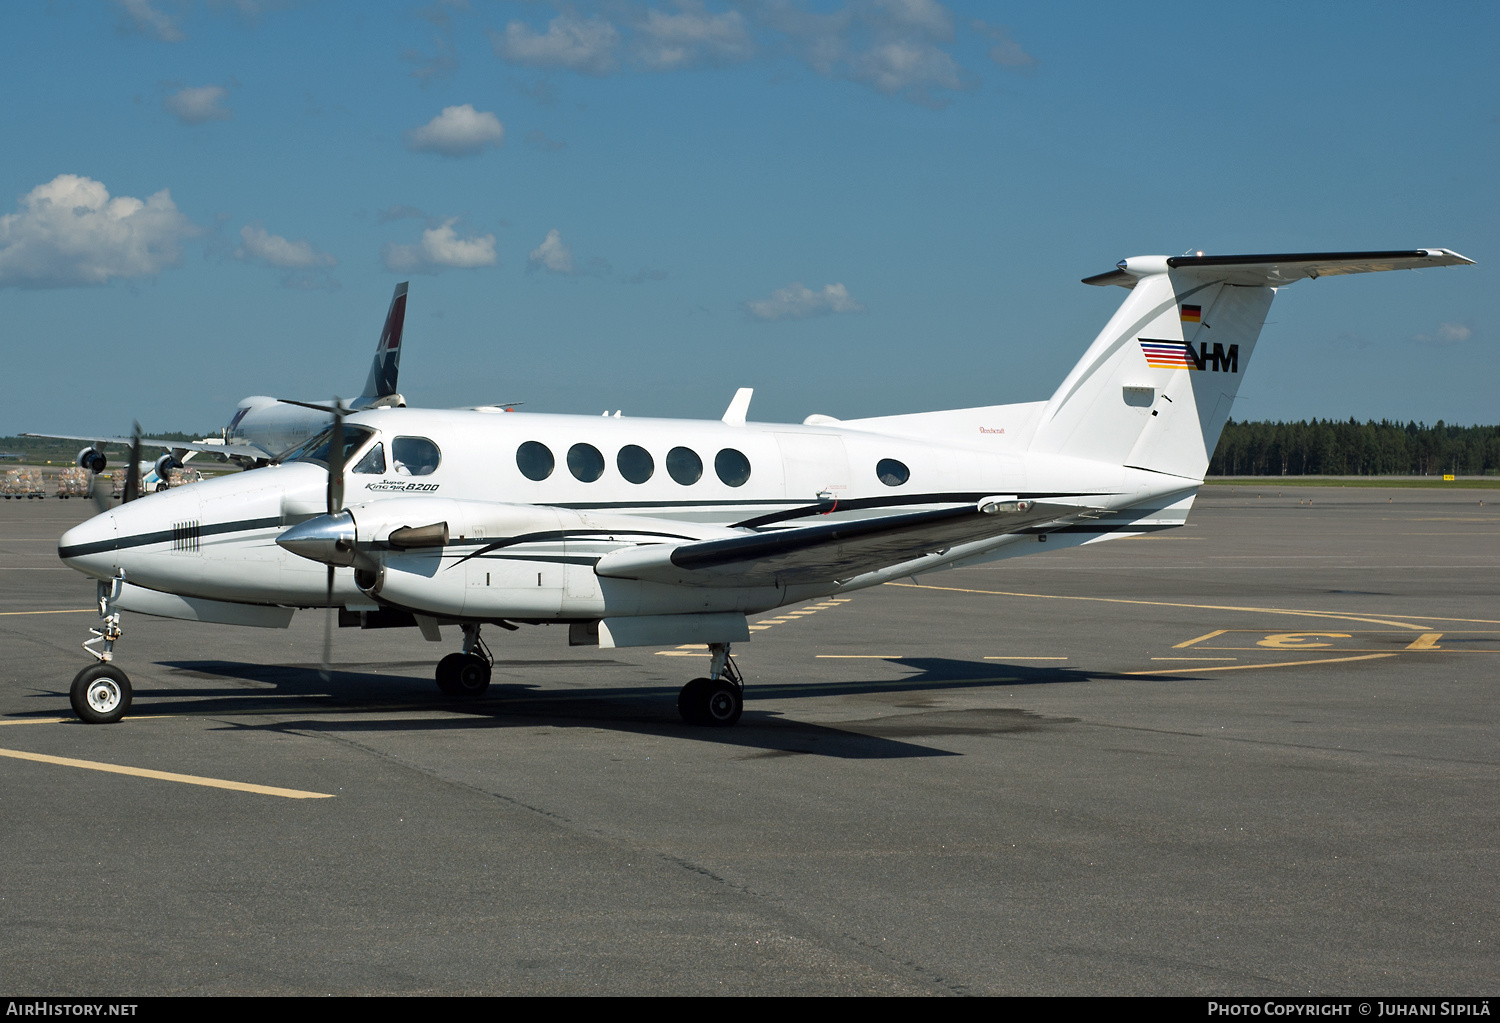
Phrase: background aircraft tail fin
pixel 384 370
pixel 1154 389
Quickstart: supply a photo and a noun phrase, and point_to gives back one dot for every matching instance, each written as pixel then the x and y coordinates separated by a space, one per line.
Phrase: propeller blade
pixel 98 492
pixel 327 670
pixel 336 467
pixel 133 471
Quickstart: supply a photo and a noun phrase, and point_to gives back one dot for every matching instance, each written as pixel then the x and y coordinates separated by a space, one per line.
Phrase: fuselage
pixel 535 500
pixel 272 425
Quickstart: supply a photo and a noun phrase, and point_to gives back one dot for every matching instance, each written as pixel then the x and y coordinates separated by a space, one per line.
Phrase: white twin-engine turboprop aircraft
pixel 659 531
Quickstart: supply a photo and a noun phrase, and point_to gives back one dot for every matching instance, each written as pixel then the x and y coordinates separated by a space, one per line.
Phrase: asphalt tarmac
pixel 1256 755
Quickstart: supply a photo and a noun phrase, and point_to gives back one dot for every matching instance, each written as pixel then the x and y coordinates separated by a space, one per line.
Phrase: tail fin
pixel 387 364
pixel 1154 389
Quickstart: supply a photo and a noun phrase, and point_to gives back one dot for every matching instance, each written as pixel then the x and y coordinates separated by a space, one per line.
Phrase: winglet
pixel 735 414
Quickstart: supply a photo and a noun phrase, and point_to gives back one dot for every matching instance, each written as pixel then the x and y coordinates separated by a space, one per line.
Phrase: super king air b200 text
pixel 650 532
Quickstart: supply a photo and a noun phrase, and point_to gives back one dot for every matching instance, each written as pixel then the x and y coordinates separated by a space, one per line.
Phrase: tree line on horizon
pixel 1324 447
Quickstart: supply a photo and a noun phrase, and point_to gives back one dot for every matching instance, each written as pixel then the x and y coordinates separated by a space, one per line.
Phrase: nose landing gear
pixel 466 675
pixel 101 693
pixel 717 700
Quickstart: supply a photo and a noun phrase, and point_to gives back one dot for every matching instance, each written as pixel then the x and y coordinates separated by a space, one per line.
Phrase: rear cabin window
pixel 684 466
pixel 535 460
pixel 414 456
pixel 635 463
pixel 891 472
pixel 585 462
pixel 732 466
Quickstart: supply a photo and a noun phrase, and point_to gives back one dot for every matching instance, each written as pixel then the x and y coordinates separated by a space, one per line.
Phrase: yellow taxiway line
pixel 1205 607
pixel 186 779
pixel 1185 669
pixel 68 611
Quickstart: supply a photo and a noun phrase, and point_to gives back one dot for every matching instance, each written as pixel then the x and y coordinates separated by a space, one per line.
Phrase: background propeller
pixel 133 467
pixel 335 505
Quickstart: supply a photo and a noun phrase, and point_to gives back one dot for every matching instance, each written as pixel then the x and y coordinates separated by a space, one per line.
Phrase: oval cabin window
pixel 732 466
pixel 535 460
pixel 891 472
pixel 684 466
pixel 585 462
pixel 414 456
pixel 635 463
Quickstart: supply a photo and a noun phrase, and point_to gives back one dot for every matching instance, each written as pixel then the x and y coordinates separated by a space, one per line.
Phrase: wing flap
pixel 829 551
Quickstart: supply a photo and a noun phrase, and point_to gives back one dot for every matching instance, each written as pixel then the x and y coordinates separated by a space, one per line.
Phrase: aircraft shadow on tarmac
pixel 361 701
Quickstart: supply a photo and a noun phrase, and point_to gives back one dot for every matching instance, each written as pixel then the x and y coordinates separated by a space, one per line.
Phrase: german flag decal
pixel 1192 314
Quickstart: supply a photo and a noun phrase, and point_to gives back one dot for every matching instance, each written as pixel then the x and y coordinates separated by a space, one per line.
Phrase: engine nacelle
pixel 165 464
pixel 92 459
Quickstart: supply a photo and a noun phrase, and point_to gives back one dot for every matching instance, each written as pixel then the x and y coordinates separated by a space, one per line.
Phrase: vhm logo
pixel 1183 355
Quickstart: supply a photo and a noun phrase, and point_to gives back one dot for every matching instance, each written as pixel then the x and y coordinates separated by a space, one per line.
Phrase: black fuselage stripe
pixel 163 536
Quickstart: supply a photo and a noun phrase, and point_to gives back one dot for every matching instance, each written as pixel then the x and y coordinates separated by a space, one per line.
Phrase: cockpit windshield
pixel 315 449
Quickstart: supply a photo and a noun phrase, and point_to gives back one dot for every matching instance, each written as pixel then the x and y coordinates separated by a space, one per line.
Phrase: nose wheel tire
pixel 464 676
pixel 100 694
pixel 713 702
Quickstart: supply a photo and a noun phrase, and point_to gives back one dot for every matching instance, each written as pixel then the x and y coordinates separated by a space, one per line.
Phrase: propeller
pixel 335 505
pixel 133 467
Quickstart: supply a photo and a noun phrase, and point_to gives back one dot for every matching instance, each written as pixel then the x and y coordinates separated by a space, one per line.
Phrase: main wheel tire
pixel 447 673
pixel 100 694
pixel 463 675
pixel 706 701
pixel 692 701
pixel 473 677
pixel 723 705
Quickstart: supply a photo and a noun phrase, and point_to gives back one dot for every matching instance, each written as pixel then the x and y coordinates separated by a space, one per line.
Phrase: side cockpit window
pixel 414 456
pixel 315 449
pixel 373 462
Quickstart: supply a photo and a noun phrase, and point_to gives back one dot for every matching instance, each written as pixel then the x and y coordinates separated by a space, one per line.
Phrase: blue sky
pixel 858 207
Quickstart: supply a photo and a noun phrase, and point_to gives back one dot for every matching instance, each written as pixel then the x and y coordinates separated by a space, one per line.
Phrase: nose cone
pixel 327 538
pixel 90 546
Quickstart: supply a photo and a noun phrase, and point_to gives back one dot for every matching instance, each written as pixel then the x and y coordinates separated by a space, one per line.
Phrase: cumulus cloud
pixel 796 301
pixel 898 47
pixel 70 233
pixel 440 249
pixel 256 243
pixel 666 42
pixel 303 265
pixel 553 255
pixel 585 45
pixel 893 46
pixel 198 104
pixel 141 17
pixel 1446 336
pixel 1004 50
pixel 457 131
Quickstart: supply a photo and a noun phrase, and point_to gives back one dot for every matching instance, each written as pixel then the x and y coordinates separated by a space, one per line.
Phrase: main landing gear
pixel 101 692
pixel 466 675
pixel 717 700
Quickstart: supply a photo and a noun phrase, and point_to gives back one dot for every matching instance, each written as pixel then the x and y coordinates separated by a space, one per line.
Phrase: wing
pixel 244 450
pixel 830 551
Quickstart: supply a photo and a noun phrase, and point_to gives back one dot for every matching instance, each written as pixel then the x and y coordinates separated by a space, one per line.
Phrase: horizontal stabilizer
pixel 830 551
pixel 1273 269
